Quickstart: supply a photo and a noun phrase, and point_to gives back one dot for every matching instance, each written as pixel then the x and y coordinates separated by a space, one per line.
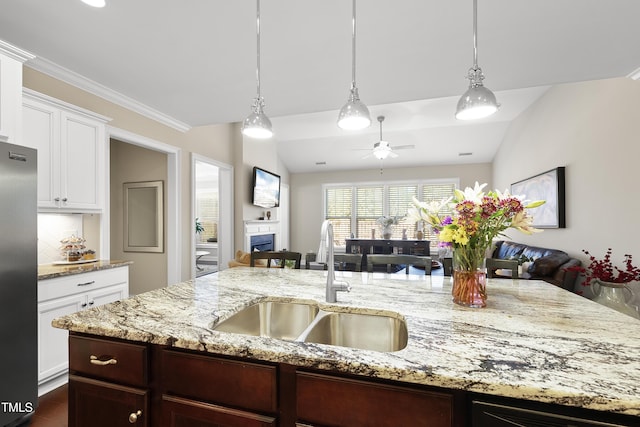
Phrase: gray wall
pixel 593 129
pixel 306 193
pixel 130 163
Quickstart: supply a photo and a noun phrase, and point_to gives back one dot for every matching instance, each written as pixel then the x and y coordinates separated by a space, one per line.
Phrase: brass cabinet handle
pixel 95 361
pixel 133 417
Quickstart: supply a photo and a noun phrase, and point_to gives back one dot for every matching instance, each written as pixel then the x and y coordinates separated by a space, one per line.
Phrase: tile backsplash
pixel 54 227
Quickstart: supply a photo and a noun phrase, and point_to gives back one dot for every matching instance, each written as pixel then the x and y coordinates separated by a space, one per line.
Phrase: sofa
pixel 550 265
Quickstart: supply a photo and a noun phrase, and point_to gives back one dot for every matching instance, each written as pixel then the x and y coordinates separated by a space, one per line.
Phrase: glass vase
pixel 469 277
pixel 614 295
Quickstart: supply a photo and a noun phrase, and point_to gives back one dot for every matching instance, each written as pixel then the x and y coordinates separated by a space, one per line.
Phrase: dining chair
pixel 397 259
pixel 280 258
pixel 348 262
pixel 494 264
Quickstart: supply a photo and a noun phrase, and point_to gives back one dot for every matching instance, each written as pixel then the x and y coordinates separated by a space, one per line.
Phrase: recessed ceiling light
pixel 95 3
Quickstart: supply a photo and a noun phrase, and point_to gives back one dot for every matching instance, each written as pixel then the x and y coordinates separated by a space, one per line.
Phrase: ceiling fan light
pixel 257 124
pixel 354 115
pixel 476 103
pixel 381 150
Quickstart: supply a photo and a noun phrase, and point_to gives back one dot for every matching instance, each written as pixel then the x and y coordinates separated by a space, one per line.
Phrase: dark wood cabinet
pixel 515 414
pixel 154 385
pixel 328 400
pixel 101 404
pixel 178 412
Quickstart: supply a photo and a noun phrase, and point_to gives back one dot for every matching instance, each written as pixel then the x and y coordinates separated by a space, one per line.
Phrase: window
pixel 354 208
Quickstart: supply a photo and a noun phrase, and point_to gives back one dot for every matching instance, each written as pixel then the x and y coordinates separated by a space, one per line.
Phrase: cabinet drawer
pixel 183 412
pixel 228 382
pixel 110 360
pixel 99 404
pixel 81 283
pixel 328 400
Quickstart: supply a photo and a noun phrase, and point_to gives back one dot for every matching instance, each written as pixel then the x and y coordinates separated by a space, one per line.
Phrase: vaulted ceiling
pixel 193 62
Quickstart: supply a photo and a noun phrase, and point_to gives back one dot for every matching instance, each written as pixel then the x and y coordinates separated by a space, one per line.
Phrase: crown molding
pixel 15 52
pixel 71 77
pixel 635 75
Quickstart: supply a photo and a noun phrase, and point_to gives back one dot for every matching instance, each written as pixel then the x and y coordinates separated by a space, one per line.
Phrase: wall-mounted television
pixel 266 188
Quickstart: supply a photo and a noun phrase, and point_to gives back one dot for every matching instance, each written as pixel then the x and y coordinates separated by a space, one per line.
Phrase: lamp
pixel 257 124
pixel 354 114
pixel 478 101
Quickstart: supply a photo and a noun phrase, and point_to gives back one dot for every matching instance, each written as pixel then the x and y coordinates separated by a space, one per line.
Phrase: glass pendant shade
pixel 476 103
pixel 257 124
pixel 354 114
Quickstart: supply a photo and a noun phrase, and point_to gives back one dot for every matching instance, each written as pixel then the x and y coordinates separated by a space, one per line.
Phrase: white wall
pixel 593 129
pixel 306 193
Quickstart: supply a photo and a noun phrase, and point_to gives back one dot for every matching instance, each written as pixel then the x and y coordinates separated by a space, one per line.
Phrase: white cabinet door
pixel 107 295
pixel 10 98
pixel 71 155
pixel 66 295
pixel 81 162
pixel 53 350
pixel 41 131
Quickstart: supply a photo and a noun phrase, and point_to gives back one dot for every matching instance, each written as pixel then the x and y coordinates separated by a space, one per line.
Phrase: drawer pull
pixel 95 361
pixel 133 417
pixel 87 283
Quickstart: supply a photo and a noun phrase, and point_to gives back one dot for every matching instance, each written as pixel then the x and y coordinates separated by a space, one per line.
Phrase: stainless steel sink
pixel 363 331
pixel 284 320
pixel 306 322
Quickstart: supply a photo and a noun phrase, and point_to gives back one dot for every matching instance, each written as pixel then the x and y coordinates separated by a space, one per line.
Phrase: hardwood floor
pixel 52 409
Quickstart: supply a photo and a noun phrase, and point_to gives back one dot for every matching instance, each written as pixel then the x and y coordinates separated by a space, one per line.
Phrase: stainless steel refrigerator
pixel 18 284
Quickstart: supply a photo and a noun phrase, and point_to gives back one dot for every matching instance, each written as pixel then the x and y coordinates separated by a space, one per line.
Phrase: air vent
pixel 465 154
pixel 321 163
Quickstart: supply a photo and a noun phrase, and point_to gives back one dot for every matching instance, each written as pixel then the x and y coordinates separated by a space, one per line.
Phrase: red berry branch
pixel 603 270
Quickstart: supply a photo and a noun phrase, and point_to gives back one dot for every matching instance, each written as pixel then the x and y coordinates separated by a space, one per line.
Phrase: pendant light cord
pixel 353 46
pixel 258 49
pixel 475 34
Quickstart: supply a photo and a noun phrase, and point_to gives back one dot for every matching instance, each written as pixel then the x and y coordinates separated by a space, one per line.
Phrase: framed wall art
pixel 548 186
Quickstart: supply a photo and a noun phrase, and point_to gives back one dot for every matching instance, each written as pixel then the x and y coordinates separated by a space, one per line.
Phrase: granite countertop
pixel 51 271
pixel 533 341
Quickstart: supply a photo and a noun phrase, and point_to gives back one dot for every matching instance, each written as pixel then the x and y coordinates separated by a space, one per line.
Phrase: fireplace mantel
pixel 259 227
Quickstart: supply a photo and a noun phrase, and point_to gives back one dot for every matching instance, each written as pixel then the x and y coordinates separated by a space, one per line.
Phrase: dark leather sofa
pixel 550 265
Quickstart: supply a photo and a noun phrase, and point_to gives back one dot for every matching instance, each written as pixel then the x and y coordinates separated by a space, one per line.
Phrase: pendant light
pixel 95 3
pixel 354 114
pixel 477 102
pixel 257 124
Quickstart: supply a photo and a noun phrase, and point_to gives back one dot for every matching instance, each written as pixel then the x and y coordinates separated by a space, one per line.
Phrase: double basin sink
pixel 306 322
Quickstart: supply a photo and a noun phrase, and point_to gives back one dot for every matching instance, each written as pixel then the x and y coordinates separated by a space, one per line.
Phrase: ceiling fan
pixel 382 149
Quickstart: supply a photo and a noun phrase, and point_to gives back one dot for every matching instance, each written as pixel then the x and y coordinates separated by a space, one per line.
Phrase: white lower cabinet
pixel 66 295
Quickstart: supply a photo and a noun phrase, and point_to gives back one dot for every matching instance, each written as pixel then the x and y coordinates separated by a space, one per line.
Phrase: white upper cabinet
pixel 11 59
pixel 71 153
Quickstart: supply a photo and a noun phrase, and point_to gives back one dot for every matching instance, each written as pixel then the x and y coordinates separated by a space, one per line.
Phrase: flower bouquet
pixel 478 218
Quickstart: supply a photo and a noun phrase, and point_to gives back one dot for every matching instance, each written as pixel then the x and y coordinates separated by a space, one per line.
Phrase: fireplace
pixel 263 242
pixel 263 231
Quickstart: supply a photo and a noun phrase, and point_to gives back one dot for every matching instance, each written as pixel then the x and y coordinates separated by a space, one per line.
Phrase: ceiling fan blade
pixel 392 155
pixel 368 155
pixel 403 147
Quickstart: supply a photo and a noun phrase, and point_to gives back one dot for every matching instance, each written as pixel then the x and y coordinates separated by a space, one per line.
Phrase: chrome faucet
pixel 325 254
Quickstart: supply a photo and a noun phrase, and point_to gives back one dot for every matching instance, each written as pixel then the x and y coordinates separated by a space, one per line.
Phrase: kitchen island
pixel 538 346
